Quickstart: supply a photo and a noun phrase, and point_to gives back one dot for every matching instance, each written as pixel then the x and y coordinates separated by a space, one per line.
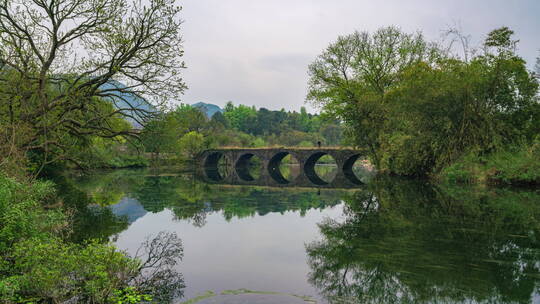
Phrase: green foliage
pixel 258 142
pixel 129 295
pixel 219 122
pixel 515 165
pixel 58 271
pixel 417 109
pixel 349 79
pixel 238 126
pixel 180 131
pixel 159 135
pixel 241 117
pixel 187 119
pixel 54 100
pixel 109 153
pixel 280 127
pixel 39 265
pixel 21 213
pixel 332 133
pixel 406 241
pixel 462 171
pixel 192 143
pixel 405 155
pixel 501 38
pixel 305 143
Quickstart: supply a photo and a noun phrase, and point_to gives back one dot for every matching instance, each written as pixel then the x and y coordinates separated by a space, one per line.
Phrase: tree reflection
pixel 90 219
pixel 408 242
pixel 192 200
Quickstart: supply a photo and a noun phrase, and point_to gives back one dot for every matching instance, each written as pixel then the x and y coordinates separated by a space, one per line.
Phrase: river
pixel 390 241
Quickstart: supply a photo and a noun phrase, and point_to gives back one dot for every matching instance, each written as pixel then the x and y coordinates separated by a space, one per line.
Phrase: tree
pixel 349 79
pixel 305 120
pixel 332 133
pixel 159 135
pixel 501 39
pixel 418 110
pixel 60 59
pixel 241 117
pixel 188 118
pixel 192 143
pixel 218 122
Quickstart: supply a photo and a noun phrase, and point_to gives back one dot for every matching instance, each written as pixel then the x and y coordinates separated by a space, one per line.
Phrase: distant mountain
pixel 207 108
pixel 121 100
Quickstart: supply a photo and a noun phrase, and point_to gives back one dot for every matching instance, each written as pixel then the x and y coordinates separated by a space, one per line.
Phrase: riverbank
pixel 514 166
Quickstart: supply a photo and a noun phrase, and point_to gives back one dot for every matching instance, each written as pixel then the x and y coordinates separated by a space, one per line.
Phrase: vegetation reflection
pixel 191 199
pixel 408 242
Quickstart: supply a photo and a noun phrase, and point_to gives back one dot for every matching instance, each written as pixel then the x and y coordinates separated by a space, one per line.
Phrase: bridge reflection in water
pixel 239 160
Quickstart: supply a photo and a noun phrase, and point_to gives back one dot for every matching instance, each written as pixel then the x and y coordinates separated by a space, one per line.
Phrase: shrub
pixel 38 265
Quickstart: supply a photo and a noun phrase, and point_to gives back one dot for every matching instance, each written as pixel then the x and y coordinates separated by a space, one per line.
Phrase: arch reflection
pixel 244 166
pixel 274 168
pixel 212 166
pixel 348 169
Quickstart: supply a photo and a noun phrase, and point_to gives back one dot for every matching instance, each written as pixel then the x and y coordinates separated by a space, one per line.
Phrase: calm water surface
pixel 392 241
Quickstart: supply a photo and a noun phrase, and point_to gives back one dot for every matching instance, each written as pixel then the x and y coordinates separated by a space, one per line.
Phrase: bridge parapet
pixel 238 161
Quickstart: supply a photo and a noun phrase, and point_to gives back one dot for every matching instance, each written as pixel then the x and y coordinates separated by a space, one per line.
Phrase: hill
pixel 121 102
pixel 207 108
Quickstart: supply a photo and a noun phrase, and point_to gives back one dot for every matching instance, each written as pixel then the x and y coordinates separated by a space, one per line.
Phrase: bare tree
pixel 538 67
pixel 453 36
pixel 59 59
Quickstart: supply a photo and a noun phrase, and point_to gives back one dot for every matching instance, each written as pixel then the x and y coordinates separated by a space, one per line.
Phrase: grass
pixel 206 295
pixel 518 166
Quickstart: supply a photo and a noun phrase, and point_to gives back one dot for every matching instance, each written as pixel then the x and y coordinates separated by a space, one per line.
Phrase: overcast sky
pixel 256 52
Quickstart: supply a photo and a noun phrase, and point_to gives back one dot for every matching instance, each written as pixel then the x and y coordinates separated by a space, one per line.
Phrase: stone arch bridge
pixel 238 161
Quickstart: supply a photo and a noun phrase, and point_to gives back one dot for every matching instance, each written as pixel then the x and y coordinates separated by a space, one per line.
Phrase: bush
pixel 58 271
pixel 39 265
pixel 191 144
pixel 258 142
